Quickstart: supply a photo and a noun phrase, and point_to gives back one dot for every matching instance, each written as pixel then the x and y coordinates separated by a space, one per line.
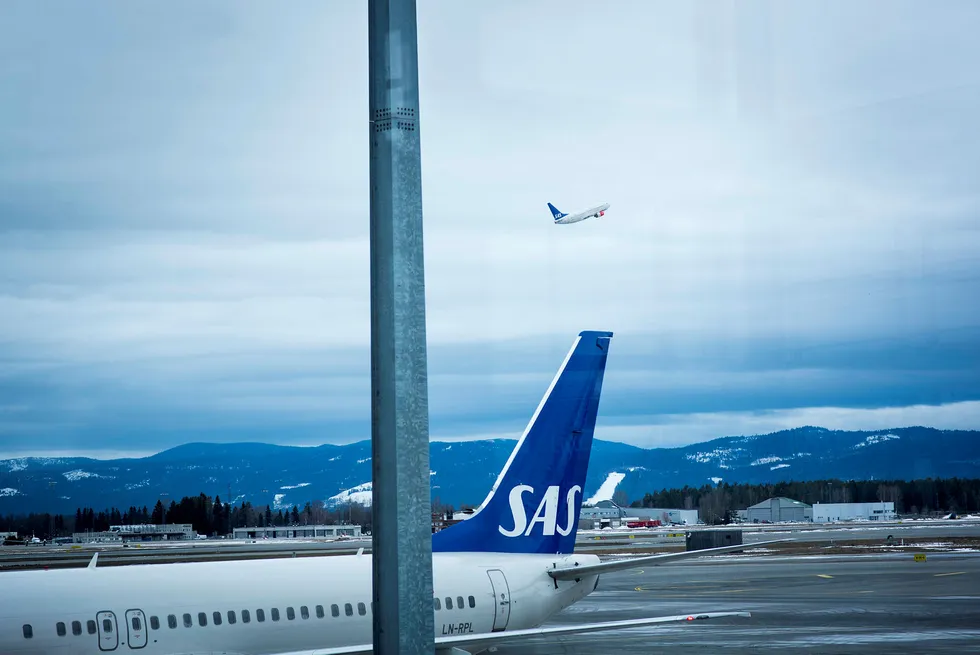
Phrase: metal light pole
pixel 402 520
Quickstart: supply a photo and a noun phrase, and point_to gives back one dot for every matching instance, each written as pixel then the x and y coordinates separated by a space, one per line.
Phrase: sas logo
pixel 546 514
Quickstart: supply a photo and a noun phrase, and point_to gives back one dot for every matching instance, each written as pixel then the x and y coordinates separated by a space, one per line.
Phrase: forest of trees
pixel 717 504
pixel 208 516
pixel 929 496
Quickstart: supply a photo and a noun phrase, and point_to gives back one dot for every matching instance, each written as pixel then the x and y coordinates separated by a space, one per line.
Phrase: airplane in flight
pixel 497 576
pixel 561 218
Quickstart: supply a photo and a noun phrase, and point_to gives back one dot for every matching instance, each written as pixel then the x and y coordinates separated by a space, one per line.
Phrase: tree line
pixel 925 497
pixel 208 516
pixel 717 504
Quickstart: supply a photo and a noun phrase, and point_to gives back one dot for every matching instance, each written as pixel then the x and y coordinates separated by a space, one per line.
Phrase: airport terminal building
pixel 129 533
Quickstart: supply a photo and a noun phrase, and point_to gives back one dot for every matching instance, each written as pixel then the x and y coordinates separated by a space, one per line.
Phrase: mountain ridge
pixel 462 472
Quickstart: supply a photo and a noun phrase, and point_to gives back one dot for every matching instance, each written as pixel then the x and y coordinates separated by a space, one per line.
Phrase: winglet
pixel 360 551
pixel 95 559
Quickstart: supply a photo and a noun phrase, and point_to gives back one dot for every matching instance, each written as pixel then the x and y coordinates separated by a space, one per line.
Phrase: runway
pixel 818 605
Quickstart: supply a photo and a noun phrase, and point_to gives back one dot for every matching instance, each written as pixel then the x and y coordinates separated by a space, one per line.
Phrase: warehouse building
pixel 833 512
pixel 298 532
pixel 778 510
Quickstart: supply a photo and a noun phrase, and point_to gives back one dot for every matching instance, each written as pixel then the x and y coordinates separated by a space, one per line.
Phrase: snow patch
pixel 277 502
pixel 8 491
pixel 295 486
pixel 361 494
pixel 779 466
pixel 366 459
pixel 636 468
pixel 16 464
pixel 877 438
pixel 607 488
pixel 79 474
pixel 137 485
pixel 716 480
pixel 766 460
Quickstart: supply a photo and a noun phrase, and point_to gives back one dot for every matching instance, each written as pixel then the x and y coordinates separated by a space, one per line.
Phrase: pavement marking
pixel 940 575
pixel 824 575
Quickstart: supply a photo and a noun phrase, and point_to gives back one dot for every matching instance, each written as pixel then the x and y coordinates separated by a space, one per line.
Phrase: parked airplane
pixel 562 218
pixel 496 576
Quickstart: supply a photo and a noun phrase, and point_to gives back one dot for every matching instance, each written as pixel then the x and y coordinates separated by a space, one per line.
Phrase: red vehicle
pixel 644 523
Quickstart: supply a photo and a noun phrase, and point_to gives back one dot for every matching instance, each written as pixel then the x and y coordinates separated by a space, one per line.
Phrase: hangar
pixel 779 509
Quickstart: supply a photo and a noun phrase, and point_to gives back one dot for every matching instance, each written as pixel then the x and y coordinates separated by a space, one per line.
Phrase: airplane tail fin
pixel 555 212
pixel 534 505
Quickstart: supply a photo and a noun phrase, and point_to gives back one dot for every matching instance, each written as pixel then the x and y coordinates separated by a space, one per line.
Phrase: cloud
pixel 184 215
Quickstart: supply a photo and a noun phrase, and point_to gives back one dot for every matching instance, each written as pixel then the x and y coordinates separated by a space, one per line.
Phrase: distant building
pixel 777 510
pixel 145 532
pixel 666 516
pixel 832 512
pixel 297 532
pixel 607 514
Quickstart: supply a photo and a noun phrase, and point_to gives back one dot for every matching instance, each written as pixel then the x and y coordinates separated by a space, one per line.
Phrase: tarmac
pixel 817 605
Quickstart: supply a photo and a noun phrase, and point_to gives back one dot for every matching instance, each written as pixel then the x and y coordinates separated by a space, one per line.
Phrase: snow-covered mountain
pixel 463 472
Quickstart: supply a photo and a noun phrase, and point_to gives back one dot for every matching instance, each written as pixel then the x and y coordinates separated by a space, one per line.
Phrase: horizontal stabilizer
pixel 490 639
pixel 575 572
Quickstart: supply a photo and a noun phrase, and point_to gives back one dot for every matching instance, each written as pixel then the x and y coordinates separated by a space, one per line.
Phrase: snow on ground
pixel 79 474
pixel 779 466
pixel 607 488
pixel 361 494
pixel 277 502
pixel 295 486
pixel 8 491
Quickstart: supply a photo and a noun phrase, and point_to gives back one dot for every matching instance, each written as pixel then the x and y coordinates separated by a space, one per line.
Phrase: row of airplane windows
pixel 202 617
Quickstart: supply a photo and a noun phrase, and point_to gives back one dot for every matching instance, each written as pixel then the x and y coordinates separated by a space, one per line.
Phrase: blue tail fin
pixel 533 506
pixel 554 211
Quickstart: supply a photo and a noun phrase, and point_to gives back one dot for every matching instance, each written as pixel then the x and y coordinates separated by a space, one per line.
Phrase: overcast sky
pixel 794 235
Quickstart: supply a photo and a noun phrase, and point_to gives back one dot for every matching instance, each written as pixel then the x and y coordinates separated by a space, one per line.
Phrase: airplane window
pixel 202 618
pixel 290 614
pixel 107 626
pixel 459 602
pixel 361 609
pixel 438 603
pixel 92 628
pixel 449 602
pixel 62 630
pixel 76 628
pixel 260 615
pixel 348 609
pixel 155 622
pixel 28 631
pixel 231 617
pixel 472 601
pixel 334 610
pixel 304 611
pixel 245 616
pixel 275 613
pixel 217 618
pixel 319 611
pixel 172 621
pixel 137 624
pixel 187 621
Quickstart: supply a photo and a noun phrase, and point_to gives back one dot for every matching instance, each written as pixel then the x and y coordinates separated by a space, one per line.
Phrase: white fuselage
pixel 581 216
pixel 264 606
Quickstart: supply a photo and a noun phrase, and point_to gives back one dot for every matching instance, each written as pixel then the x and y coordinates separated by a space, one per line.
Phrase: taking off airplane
pixel 562 218
pixel 497 576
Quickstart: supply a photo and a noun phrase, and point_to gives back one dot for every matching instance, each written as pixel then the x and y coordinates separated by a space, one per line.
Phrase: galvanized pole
pixel 402 520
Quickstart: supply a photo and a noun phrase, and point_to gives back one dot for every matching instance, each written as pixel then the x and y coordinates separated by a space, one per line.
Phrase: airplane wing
pixel 574 572
pixel 461 643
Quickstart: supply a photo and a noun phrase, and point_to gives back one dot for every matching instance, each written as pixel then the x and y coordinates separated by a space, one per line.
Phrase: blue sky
pixel 794 235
